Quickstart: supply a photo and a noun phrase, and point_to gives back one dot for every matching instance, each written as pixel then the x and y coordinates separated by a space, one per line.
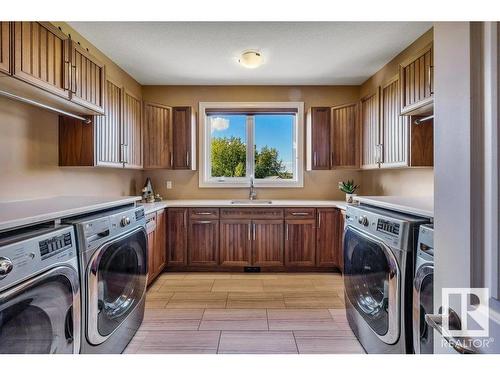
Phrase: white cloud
pixel 219 124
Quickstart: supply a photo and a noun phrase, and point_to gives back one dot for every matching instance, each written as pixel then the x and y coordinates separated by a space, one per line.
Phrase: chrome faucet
pixel 252 194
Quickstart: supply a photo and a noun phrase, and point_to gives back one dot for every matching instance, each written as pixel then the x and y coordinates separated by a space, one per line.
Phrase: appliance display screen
pixel 387 227
pixel 54 245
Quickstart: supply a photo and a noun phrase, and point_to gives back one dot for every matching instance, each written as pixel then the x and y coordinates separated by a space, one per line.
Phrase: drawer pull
pixel 300 213
pixel 203 213
pixel 203 222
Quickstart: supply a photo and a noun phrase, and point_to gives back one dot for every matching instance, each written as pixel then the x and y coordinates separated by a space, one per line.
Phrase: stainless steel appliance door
pixel 42 315
pixel 116 280
pixel 372 282
pixel 423 336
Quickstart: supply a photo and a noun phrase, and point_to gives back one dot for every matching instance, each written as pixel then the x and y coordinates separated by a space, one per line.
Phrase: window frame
pixel 205 179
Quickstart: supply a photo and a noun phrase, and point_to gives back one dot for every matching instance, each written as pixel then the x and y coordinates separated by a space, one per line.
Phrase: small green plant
pixel 348 187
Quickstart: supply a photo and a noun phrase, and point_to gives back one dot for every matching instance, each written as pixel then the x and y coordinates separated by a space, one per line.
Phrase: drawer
pixel 204 213
pixel 300 213
pixel 251 213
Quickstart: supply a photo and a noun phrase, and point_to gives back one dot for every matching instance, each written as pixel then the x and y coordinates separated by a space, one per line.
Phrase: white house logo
pixel 474 318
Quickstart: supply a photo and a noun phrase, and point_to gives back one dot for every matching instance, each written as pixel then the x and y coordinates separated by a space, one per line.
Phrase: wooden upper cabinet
pixel 183 133
pixel 203 242
pixel 235 247
pixel 157 136
pixel 108 128
pixel 300 242
pixel 344 136
pixel 5 47
pixel 177 235
pixel 132 130
pixel 370 134
pixel 318 134
pixel 42 57
pixel 87 79
pixel 327 242
pixel 417 82
pixel 267 249
pixel 393 127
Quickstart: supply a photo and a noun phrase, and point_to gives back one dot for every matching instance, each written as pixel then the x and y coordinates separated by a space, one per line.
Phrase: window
pixel 244 140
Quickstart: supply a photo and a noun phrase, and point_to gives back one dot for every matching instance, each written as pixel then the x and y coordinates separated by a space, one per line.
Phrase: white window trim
pixel 204 176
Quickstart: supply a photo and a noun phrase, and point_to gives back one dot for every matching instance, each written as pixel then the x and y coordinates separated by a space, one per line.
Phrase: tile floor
pixel 245 313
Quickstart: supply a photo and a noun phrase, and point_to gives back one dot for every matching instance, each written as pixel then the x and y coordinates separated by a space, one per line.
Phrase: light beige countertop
pixel 152 207
pixel 420 206
pixel 21 213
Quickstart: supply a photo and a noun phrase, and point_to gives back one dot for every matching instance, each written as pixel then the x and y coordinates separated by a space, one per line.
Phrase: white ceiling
pixel 295 53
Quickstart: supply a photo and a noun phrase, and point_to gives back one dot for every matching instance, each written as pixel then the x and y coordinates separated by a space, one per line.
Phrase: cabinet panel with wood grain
pixel 177 236
pixel 5 28
pixel 132 130
pixel 318 142
pixel 203 242
pixel 157 136
pixel 300 242
pixel 327 243
pixel 344 136
pixel 160 258
pixel 267 247
pixel 235 243
pixel 370 135
pixel 182 120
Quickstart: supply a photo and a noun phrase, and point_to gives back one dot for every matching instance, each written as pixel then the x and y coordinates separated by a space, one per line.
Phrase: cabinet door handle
pixel 319 220
pixel 171 159
pixel 67 80
pixel 73 79
pixel 331 159
pixel 187 159
pixel 249 234
pixel 286 233
pixel 429 72
pixel 314 157
pixel 254 231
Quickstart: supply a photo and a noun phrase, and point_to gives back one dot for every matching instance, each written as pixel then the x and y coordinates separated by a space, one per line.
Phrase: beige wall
pixel 418 181
pixel 317 184
pixel 29 150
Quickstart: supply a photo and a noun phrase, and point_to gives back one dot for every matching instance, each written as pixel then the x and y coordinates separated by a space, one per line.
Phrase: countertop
pixel 26 212
pixel 152 207
pixel 420 206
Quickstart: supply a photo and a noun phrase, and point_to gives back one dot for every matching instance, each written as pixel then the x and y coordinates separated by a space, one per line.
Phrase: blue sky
pixel 271 130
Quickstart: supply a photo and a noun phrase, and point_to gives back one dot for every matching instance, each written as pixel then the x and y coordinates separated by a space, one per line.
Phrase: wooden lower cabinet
pixel 267 249
pixel 340 241
pixel 177 236
pixel 157 243
pixel 327 244
pixel 203 242
pixel 300 242
pixel 235 246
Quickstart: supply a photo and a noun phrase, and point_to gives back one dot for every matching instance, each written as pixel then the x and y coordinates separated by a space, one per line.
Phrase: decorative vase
pixel 349 198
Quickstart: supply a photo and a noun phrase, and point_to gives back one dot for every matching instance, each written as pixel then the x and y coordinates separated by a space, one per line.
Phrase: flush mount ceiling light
pixel 250 59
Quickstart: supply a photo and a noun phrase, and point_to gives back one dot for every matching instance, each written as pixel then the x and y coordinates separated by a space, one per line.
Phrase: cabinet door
pixel 87 79
pixel 160 257
pixel 417 82
pixel 300 242
pixel 177 236
pixel 157 136
pixel 132 130
pixel 5 47
pixel 327 249
pixel 203 242
pixel 181 119
pixel 344 141
pixel 151 219
pixel 371 156
pixel 394 127
pixel 319 124
pixel 267 238
pixel 41 57
pixel 235 243
pixel 109 151
pixel 340 240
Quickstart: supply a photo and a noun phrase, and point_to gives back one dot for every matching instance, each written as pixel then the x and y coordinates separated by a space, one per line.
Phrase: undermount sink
pixel 255 201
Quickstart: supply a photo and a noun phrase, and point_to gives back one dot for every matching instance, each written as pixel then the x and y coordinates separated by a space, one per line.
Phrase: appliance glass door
pixel 423 304
pixel 42 315
pixel 371 280
pixel 117 283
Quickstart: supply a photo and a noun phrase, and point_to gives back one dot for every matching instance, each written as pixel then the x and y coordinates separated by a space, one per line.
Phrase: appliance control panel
pixel 389 227
pixel 26 254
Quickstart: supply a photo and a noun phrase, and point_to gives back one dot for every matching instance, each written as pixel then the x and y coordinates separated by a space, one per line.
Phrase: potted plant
pixel 349 188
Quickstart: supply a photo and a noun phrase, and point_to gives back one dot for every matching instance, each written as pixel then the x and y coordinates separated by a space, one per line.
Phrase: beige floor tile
pixel 338 315
pixel 171 319
pixel 313 300
pixel 254 276
pixel 255 301
pixel 234 319
pixel 238 286
pixel 135 343
pixel 208 276
pixel 257 342
pixel 198 300
pixel 173 276
pixel 327 342
pixel 180 342
pixel 186 286
pixel 156 304
pixel 300 319
pixel 290 285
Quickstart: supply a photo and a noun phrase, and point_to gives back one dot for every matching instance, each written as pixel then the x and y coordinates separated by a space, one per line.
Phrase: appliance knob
pixel 125 221
pixel 363 220
pixel 5 267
